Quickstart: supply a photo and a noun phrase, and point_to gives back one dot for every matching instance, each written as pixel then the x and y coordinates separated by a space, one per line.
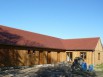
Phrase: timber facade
pixel 23 48
pixel 22 56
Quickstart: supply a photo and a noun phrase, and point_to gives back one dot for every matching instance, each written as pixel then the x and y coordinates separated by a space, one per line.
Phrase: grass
pixel 99 67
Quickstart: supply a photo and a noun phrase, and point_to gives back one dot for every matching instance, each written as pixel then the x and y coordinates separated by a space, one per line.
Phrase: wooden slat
pixel 45 57
pixel 58 56
pixel 49 57
pixel 36 57
pixel 41 57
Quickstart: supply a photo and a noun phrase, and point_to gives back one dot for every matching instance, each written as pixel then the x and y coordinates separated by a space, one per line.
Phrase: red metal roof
pixel 81 44
pixel 11 36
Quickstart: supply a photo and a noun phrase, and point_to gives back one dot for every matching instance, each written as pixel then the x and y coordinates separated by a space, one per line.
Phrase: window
pixel 33 51
pixel 83 55
pixel 29 52
pixel 98 56
pixel 69 56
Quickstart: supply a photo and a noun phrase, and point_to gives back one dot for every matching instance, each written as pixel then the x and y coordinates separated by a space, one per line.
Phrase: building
pixel 23 48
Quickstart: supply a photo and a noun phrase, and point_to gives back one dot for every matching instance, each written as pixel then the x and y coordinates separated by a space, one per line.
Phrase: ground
pixel 99 70
pixel 61 70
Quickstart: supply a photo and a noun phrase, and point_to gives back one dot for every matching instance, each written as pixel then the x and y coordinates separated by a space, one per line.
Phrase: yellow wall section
pixel 88 59
pixel 99 46
pixel 45 57
pixel 62 56
pixel 36 57
pixel 98 49
pixel 54 56
pixel 20 57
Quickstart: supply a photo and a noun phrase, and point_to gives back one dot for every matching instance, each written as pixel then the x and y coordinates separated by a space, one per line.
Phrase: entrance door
pixel 69 56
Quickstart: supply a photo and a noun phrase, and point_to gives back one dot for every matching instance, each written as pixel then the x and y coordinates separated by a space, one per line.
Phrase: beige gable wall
pixel 99 46
pixel 98 50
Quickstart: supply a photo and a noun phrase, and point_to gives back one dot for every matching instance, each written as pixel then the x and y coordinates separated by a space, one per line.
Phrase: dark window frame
pixel 29 51
pixel 33 51
pixel 83 55
pixel 70 54
pixel 98 56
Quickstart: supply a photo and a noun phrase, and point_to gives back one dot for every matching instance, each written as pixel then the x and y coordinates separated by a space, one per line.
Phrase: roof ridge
pixel 82 38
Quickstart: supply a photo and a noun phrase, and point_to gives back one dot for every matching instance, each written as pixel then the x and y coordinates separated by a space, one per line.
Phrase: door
pixel 69 56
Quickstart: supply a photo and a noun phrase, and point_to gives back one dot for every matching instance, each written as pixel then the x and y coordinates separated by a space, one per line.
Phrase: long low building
pixel 23 48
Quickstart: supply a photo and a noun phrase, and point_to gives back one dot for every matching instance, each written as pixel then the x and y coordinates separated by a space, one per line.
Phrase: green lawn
pixel 99 70
pixel 99 67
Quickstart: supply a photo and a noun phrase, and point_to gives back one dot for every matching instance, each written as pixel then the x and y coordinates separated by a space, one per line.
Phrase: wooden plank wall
pixel 49 57
pixel 62 56
pixel 21 57
pixel 98 49
pixel 45 57
pixel 89 56
pixel 36 57
pixel 17 57
pixel 58 56
pixel 12 57
pixel 53 57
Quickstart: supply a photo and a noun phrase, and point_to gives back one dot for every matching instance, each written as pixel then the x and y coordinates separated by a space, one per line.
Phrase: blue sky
pixel 58 18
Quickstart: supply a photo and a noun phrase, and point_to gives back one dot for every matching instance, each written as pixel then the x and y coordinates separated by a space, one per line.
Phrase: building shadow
pixel 10 44
pixel 8 55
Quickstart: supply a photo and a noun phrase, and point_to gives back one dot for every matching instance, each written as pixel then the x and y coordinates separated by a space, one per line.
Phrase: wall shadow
pixel 9 47
pixel 9 57
pixel 8 38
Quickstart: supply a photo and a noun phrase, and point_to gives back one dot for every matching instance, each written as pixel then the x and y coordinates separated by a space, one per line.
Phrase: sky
pixel 59 18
